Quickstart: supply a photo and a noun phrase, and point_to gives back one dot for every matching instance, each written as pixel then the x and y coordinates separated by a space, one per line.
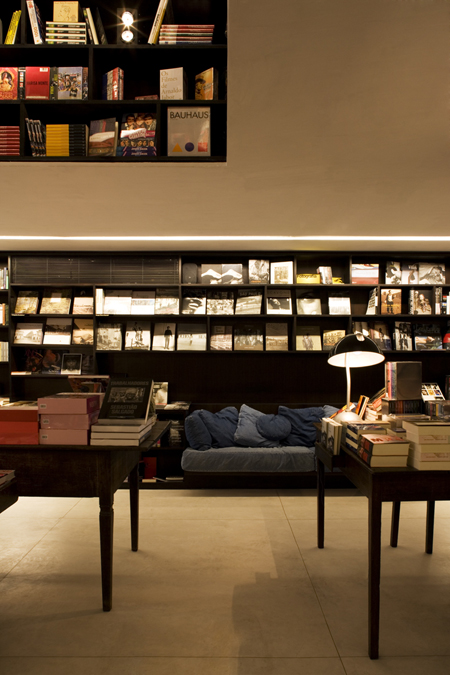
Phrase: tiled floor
pixel 224 583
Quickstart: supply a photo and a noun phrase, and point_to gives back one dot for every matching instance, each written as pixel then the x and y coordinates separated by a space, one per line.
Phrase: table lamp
pixel 354 351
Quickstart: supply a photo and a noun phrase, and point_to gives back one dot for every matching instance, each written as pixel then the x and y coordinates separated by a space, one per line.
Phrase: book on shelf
pixel 126 402
pixel 160 396
pixel 420 302
pixel 248 338
pixel 71 364
pixel 438 298
pixel 391 301
pixel 427 336
pixel 164 337
pixel 258 271
pixel 56 301
pixel 432 392
pixel 220 302
pixel 83 332
pixel 361 327
pixel 27 302
pixel 194 302
pixel 403 336
pixel 248 302
pixel 9 83
pixel 66 10
pixel 167 301
pixel 211 274
pixel 379 333
pixel 232 274
pixel 339 304
pixel 164 9
pixel 117 302
pixel 143 302
pixel 109 337
pixel 221 338
pixel 66 140
pixel 9 145
pixel 112 85
pixel 277 337
pixel 51 362
pixel 282 272
pixel 438 409
pixel 401 407
pixel 191 337
pixel 279 301
pixel 403 379
pixel 69 83
pixel 137 135
pixel 37 82
pixel 103 137
pixel 439 464
pixel 36 135
pixel 173 84
pixel 207 85
pixel 308 304
pixel 90 25
pixel 188 131
pixel 365 273
pixel 37 28
pixel 308 278
pixel 308 338
pixel 57 332
pixel 99 28
pixel 28 334
pixel 186 34
pixel 137 335
pixel 332 337
pixel 326 274
pixel 83 304
pixel 11 35
pixel 393 275
pixel 410 273
pixel 430 273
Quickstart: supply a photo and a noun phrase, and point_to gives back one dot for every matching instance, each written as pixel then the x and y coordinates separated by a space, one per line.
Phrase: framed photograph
pixel 71 364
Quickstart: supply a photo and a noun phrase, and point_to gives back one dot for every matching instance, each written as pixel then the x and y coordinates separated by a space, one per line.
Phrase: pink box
pixel 64 437
pixel 68 421
pixel 69 404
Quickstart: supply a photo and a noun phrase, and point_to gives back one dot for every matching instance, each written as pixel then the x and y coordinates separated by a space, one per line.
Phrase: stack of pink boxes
pixel 19 424
pixel 66 419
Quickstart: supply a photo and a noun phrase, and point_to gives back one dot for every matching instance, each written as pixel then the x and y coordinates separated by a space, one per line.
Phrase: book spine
pixel 157 22
pixel 12 30
pixel 85 83
pixel 88 25
pixel 35 28
pixel 92 26
pixel 53 83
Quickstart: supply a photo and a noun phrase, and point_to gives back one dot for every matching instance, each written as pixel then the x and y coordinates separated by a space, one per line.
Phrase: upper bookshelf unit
pixel 51 93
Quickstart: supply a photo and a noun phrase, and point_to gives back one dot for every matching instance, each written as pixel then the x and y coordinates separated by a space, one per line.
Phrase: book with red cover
pixel 18 427
pixel 37 82
pixel 19 438
pixel 23 413
pixel 8 83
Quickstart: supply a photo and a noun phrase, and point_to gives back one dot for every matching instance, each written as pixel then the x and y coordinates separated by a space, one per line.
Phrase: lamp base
pixel 345 417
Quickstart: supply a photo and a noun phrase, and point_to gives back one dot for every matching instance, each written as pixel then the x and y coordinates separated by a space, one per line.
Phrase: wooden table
pixel 380 485
pixel 8 494
pixel 84 471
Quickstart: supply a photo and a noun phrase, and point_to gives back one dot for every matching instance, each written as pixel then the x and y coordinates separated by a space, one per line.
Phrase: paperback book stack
pixel 176 34
pixel 57 32
pixel 382 450
pixel 67 140
pixel 9 140
pixel 36 135
pixel 429 444
pixel 66 418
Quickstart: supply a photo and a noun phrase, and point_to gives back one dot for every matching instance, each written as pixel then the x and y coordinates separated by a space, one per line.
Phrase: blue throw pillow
pixel 329 410
pixel 197 434
pixel 302 420
pixel 273 427
pixel 247 433
pixel 221 425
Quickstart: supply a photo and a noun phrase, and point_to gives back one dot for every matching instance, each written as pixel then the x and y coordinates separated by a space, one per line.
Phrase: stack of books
pixel 67 140
pixel 174 34
pixel 19 424
pixel 66 418
pixel 59 33
pixel 429 444
pixel 36 135
pixel 112 85
pixel 121 432
pixel 382 450
pixel 9 140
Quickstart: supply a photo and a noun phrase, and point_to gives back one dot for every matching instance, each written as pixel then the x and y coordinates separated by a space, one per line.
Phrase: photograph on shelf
pixel 365 273
pixel 427 336
pixel 117 302
pixel 391 301
pixel 308 339
pixel 248 338
pixel 83 304
pixel 379 333
pixel 160 396
pixel 361 327
pixel 420 302
pixel 71 364
pixel 57 332
pixel 248 302
pixel 143 302
pixel 191 337
pixel 28 334
pixel 279 301
pixel 258 271
pixel 167 301
pixel 221 338
pixel 137 335
pixel 83 332
pixel 332 337
pixel 430 273
pixel 339 304
pixel 410 273
pixel 220 302
pixel 51 362
pixel 403 336
pixel 232 274
pixel 393 273
pixel 277 337
pixel 194 302
pixel 109 337
pixel 56 301
pixel 308 304
pixel 27 302
pixel 326 275
pixel 164 337
pixel 282 272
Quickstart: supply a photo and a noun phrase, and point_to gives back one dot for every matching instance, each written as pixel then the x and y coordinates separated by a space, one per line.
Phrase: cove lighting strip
pixel 324 238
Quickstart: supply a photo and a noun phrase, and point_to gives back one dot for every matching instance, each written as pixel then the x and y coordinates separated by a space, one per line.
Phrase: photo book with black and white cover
pixel 137 335
pixel 332 337
pixel 194 302
pixel 427 336
pixel 410 273
pixel 56 301
pixel 431 273
pixel 277 337
pixel 164 337
pixel 258 271
pixel 282 272
pixel 248 338
pixel 379 332
pixel 393 274
pixel 339 304
pixel 279 301
pixel 191 337
pixel 403 336
pixel 71 364
pixel 83 304
pixel 57 332
pixel 27 302
pixel 28 334
pixel 117 302
pixel 420 301
pixel 143 302
pixel 220 302
pixel 160 396
pixel 221 338
pixel 248 302
pixel 167 301
pixel 308 304
pixel 308 338
pixel 128 400
pixel 109 337
pixel 232 274
pixel 83 332
pixel 391 301
pixel 211 274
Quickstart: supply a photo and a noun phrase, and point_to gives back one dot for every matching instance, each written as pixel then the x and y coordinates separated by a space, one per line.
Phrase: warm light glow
pixel 127 19
pixel 174 238
pixel 127 35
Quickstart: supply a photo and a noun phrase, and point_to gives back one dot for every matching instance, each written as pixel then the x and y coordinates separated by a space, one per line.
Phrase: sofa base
pixel 194 480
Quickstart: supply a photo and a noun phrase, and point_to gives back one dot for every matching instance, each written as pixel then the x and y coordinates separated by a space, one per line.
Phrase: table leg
pixel 320 503
pixel 133 482
pixel 374 572
pixel 106 548
pixel 395 521
pixel 430 527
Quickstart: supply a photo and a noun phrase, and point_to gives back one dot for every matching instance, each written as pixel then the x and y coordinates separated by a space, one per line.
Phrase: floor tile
pixel 419 665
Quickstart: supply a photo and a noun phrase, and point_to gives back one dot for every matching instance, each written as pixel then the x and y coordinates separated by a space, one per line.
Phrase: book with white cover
pixel 339 305
pixel 143 302
pixel 188 132
pixel 83 305
pixel 57 332
pixel 279 302
pixel 282 272
pixel 137 335
pixel 28 334
pixel 167 301
pixel 191 337
pixel 117 302
pixel 172 84
pixel 164 337
pixel 109 337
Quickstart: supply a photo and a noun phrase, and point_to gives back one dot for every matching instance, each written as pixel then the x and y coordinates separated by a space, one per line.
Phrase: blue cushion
pixel 302 420
pixel 221 425
pixel 247 433
pixel 329 410
pixel 273 427
pixel 197 434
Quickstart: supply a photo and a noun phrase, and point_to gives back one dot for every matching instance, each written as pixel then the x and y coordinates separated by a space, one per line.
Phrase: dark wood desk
pixel 84 471
pixel 380 485
pixel 8 494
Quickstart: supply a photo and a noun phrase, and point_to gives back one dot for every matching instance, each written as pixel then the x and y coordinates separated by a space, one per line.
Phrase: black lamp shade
pixel 355 351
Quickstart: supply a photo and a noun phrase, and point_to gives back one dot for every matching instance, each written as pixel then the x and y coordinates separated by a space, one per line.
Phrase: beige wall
pixel 338 123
